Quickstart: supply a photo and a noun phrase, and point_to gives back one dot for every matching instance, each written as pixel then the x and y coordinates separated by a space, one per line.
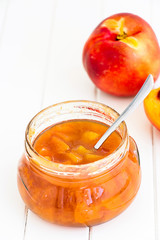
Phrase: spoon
pixel 143 92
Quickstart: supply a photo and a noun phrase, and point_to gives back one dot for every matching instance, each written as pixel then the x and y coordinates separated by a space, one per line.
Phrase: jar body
pixel 86 201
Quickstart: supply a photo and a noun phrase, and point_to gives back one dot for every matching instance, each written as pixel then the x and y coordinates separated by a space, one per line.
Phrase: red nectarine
pixel 120 53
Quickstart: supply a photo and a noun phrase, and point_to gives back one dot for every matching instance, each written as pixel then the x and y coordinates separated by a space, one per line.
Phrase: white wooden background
pixel 41 44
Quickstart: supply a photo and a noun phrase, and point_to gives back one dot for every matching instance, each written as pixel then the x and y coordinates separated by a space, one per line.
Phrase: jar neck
pixel 75 110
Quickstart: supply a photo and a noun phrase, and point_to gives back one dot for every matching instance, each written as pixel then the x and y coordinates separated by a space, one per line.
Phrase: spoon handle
pixel 143 92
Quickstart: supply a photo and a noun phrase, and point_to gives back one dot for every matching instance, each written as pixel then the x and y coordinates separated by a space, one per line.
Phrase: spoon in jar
pixel 143 92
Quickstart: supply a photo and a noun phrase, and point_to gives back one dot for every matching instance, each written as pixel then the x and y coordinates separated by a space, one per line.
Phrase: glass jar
pixel 78 195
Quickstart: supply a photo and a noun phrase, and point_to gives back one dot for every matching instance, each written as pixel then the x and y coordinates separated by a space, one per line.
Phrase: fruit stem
pixel 158 95
pixel 121 36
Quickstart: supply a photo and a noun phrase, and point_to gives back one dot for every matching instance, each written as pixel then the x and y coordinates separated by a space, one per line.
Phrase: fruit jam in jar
pixel 63 179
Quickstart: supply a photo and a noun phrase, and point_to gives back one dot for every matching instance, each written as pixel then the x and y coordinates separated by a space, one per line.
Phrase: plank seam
pixel 154 185
pixel 89 233
pixel 95 94
pixel 48 53
pixel 25 223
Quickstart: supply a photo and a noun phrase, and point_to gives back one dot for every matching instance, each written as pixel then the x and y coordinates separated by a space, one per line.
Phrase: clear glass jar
pixel 78 195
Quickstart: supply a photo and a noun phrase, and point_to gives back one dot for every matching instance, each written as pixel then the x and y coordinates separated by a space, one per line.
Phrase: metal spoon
pixel 143 92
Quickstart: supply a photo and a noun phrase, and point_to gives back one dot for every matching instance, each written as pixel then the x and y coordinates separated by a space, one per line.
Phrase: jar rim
pixel 78 171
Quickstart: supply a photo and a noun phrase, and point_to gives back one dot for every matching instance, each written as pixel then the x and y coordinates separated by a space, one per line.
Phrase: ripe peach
pixel 152 107
pixel 120 53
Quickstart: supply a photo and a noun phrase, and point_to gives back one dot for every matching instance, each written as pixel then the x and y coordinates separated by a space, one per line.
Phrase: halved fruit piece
pixel 152 107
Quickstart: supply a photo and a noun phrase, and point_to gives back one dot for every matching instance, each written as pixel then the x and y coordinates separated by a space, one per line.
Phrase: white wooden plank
pixel 22 62
pixel 37 228
pixel 137 222
pixel 66 77
pixel 66 80
pixel 155 18
pixel 141 8
pixel 3 14
pixel 11 206
pixel 156 161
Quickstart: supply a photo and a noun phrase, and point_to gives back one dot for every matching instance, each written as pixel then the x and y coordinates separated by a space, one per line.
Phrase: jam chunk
pixel 58 145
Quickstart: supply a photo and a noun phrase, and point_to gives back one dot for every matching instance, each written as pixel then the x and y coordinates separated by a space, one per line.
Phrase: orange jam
pixel 72 142
pixel 63 179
